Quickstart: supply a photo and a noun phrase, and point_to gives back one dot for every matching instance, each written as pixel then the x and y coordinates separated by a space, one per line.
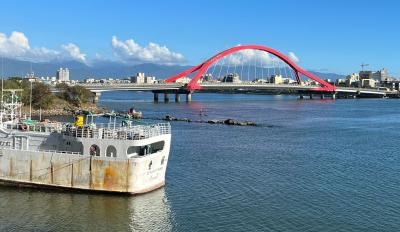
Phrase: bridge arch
pixel 203 67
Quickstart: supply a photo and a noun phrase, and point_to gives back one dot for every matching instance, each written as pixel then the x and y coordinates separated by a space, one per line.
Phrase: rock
pixel 249 123
pixel 229 122
pixel 226 122
pixel 168 118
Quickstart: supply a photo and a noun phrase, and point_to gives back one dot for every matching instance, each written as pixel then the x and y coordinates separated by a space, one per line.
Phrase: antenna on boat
pixel 30 103
pixel 31 75
pixel 2 87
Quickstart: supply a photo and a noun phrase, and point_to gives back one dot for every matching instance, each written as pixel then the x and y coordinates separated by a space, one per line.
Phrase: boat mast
pixel 30 103
pixel 31 76
pixel 2 87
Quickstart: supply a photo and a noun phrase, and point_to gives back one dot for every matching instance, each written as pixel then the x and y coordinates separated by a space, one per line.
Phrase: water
pixel 311 165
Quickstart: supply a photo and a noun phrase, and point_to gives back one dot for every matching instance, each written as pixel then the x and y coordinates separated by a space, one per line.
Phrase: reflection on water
pixel 151 212
pixel 27 209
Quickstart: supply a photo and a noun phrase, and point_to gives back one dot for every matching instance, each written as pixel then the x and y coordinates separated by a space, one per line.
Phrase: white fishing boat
pixel 82 155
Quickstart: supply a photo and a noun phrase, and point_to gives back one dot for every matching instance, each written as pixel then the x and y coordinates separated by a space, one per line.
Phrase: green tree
pixel 75 95
pixel 42 97
pixel 63 91
pixel 79 94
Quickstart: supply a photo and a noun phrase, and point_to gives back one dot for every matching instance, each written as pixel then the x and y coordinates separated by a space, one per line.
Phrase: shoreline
pixel 64 111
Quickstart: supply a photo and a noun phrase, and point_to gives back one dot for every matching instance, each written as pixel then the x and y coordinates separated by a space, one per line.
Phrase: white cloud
pixel 74 52
pixel 16 46
pixel 129 51
pixel 256 57
pixel 293 57
pixel 251 56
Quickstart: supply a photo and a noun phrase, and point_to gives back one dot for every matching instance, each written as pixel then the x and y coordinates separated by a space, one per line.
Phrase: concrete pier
pixel 156 95
pixel 166 97
pixel 311 96
pixel 177 97
pixel 322 96
pixel 188 97
pixel 301 96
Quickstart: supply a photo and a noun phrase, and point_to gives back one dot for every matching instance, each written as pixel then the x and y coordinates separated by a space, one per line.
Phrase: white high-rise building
pixel 138 79
pixel 63 75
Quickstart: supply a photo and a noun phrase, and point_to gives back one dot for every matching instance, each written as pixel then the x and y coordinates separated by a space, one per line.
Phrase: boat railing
pixel 107 131
pixel 34 128
pixel 45 151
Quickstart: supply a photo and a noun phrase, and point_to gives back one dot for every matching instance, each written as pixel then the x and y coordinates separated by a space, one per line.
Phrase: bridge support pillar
pixel 301 96
pixel 322 96
pixel 96 97
pixel 177 97
pixel 188 97
pixel 166 97
pixel 155 97
pixel 311 96
pixel 334 96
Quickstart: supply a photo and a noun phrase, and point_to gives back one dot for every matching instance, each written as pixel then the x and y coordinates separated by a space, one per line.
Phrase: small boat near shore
pixel 83 155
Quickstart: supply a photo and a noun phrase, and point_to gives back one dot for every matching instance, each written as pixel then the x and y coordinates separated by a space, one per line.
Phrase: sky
pixel 329 36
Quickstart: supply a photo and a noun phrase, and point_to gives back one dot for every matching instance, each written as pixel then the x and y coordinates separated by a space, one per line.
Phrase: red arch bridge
pixel 244 68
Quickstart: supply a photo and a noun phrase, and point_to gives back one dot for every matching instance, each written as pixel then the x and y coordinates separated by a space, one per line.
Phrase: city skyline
pixel 341 39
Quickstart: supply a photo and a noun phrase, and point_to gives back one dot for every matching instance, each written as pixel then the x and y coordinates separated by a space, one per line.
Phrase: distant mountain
pixel 324 76
pixel 110 69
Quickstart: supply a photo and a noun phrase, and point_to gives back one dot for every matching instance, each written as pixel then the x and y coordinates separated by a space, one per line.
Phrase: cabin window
pixel 111 151
pixel 94 150
pixel 145 150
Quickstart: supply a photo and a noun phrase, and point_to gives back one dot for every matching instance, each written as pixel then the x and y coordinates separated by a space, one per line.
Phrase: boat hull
pixel 84 172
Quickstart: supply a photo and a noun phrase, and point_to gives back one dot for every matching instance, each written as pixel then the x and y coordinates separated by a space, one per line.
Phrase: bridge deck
pixel 225 87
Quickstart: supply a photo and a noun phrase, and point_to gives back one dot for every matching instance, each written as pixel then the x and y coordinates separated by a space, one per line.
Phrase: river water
pixel 311 165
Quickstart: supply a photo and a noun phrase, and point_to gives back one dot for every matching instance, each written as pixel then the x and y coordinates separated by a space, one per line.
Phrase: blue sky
pixel 332 36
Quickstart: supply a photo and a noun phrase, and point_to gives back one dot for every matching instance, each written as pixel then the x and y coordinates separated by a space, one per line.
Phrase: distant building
pixel 231 77
pixel 276 79
pixel 207 77
pixel 150 80
pixel 365 75
pixel 368 83
pixel 353 80
pixel 391 84
pixel 138 79
pixel 288 81
pixel 183 80
pixel 380 75
pixel 260 80
pixel 340 82
pixel 63 75
pixel 89 80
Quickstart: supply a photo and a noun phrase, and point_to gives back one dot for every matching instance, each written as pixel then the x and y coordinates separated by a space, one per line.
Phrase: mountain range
pixel 111 69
